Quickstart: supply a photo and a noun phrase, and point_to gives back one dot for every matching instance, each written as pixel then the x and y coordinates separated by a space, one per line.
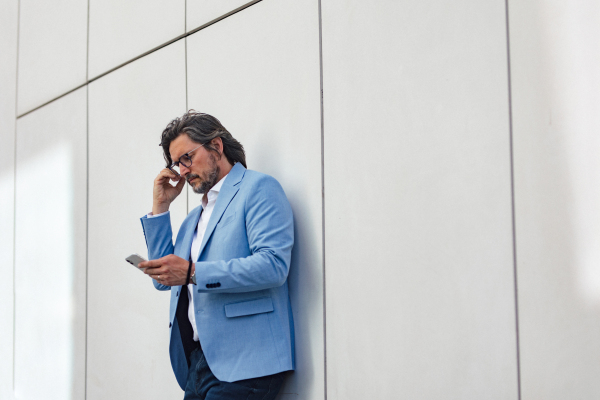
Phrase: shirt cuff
pixel 150 215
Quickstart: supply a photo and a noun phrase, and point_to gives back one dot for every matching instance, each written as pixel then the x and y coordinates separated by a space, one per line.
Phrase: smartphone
pixel 135 259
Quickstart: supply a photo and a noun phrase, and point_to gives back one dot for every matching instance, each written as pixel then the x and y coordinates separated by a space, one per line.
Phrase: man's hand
pixel 169 270
pixel 164 193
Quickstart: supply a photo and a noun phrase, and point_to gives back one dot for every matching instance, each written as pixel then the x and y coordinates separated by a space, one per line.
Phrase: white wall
pixel 402 278
pixel 259 58
pixel 8 88
pixel 50 250
pixel 122 30
pixel 200 12
pixel 419 263
pixel 52 50
pixel 128 320
pixel 555 55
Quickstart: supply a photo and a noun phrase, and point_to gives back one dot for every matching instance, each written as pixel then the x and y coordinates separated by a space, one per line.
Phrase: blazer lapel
pixel 226 194
pixel 186 245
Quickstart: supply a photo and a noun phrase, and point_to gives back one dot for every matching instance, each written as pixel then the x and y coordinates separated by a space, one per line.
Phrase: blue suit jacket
pixel 243 312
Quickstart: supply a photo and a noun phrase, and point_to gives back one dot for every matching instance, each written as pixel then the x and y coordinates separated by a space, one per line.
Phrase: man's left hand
pixel 169 270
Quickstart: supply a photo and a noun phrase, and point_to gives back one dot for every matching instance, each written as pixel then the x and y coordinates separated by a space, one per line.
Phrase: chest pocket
pixel 250 307
pixel 226 220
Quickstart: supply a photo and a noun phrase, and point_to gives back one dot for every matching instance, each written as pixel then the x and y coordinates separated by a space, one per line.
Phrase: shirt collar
pixel 213 193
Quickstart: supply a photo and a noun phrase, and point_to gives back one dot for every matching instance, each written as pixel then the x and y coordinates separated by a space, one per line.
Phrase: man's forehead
pixel 181 145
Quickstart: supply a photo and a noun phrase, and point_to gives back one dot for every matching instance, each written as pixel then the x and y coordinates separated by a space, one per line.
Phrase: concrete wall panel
pixel 8 88
pixel 262 82
pixel 50 251
pixel 555 55
pixel 122 30
pixel 199 12
pixel 419 261
pixel 52 49
pixel 128 334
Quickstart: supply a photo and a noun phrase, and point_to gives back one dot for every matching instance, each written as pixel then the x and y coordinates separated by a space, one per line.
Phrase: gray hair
pixel 202 128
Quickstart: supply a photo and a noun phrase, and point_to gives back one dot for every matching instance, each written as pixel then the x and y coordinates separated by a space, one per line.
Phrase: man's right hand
pixel 164 193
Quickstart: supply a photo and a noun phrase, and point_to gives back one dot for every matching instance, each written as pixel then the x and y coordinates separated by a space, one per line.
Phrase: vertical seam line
pixel 323 199
pixel 87 224
pixel 87 196
pixel 87 46
pixel 512 192
pixel 187 191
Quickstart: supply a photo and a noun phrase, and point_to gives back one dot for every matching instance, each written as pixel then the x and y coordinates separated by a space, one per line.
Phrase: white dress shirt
pixel 208 205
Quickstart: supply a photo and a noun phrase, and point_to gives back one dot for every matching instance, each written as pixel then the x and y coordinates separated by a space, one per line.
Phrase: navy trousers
pixel 203 385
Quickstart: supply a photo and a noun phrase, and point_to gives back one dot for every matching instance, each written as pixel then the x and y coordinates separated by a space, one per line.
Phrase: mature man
pixel 232 332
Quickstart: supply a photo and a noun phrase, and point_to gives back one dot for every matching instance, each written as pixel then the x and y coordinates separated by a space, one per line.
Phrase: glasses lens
pixel 186 160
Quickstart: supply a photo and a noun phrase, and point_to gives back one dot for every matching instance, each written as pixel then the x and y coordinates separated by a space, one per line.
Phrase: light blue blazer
pixel 243 312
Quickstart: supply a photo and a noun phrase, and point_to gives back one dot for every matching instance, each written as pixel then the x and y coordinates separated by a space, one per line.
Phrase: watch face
pixel 194 278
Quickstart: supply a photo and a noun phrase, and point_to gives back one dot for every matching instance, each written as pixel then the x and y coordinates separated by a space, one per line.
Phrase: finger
pixel 164 176
pixel 174 177
pixel 149 271
pixel 170 174
pixel 163 277
pixel 156 271
pixel 152 263
pixel 180 184
pixel 166 260
pixel 163 281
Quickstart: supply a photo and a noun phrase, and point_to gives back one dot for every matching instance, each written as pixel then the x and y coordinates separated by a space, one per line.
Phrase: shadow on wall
pixel 558 168
pixel 556 86
pixel 305 276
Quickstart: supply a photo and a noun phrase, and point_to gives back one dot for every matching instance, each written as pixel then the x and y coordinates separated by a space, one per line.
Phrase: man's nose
pixel 183 170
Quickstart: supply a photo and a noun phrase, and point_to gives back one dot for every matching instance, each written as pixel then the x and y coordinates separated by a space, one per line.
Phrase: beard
pixel 208 178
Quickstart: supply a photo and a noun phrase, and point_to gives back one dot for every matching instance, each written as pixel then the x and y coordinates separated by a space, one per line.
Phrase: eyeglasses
pixel 185 160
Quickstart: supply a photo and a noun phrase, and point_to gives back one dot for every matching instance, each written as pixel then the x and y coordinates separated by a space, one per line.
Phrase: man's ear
pixel 217 143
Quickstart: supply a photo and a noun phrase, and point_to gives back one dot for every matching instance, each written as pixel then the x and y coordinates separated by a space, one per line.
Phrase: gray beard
pixel 209 180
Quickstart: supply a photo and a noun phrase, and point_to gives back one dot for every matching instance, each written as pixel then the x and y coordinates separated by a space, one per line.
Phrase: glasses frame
pixel 175 164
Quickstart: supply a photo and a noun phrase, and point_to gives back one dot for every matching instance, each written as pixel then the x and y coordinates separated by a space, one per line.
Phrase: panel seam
pixel 323 243
pixel 512 192
pixel 87 198
pixel 87 232
pixel 187 106
pixel 165 44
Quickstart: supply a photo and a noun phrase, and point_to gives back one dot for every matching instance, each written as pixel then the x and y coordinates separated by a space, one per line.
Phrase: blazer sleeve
pixel 159 239
pixel 270 232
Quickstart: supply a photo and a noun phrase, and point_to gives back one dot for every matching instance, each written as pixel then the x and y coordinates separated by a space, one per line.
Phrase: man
pixel 232 332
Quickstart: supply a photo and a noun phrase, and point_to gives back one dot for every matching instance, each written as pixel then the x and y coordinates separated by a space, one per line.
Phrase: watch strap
pixel 187 279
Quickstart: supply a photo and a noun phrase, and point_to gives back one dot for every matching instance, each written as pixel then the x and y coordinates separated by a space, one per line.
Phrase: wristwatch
pixel 193 278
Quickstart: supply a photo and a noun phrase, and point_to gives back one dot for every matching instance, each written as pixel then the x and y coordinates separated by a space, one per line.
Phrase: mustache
pixel 191 176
